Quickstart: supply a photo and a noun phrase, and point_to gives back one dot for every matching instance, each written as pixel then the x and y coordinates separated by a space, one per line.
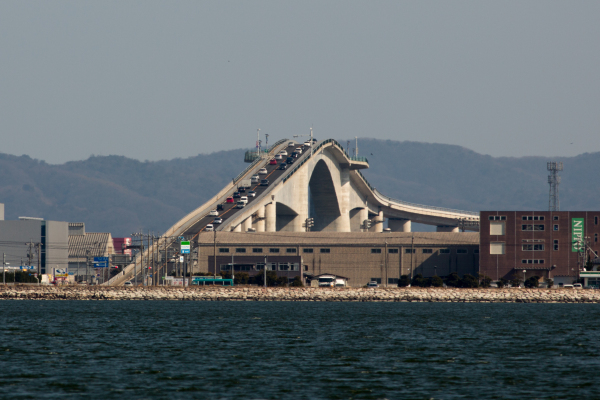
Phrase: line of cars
pixel 241 197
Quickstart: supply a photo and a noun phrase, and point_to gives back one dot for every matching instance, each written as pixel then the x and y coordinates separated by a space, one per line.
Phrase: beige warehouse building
pixel 359 256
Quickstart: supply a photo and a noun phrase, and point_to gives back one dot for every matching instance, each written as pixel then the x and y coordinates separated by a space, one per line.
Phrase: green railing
pixel 257 160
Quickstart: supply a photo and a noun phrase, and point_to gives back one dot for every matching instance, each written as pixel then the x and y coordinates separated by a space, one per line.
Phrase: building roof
pixel 98 245
pixel 342 238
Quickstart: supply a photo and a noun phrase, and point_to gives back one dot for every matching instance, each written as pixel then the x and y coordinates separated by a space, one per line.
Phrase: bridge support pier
pixel 271 217
pixel 400 224
pixel 260 224
pixel 238 228
pixel 446 228
pixel 247 223
pixel 363 215
pixel 378 222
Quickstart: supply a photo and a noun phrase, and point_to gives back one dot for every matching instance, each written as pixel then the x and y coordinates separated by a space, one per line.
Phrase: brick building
pixel 541 243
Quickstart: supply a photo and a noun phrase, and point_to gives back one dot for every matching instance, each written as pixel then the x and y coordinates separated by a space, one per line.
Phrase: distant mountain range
pixel 121 195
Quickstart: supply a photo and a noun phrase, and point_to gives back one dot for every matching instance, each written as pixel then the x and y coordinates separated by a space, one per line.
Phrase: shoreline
pixel 239 293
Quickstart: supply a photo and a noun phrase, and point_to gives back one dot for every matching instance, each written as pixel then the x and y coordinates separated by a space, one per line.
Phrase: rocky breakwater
pixel 301 294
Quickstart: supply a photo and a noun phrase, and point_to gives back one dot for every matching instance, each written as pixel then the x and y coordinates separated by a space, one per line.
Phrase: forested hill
pixel 121 195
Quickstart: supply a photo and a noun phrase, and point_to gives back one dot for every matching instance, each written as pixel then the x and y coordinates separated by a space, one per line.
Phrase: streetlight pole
pixel 265 272
pixel 524 277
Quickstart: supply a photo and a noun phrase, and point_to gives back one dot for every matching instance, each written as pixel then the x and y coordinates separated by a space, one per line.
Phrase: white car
pixel 244 199
pixel 290 144
pixel 255 179
pixel 209 228
pixel 218 221
pixel 283 153
pixel 252 193
pixel 278 156
pixel 213 213
pixel 307 143
pixel 298 150
pixel 262 171
pixel 372 284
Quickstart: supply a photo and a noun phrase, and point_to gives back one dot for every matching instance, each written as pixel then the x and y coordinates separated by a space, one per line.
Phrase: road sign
pixel 26 267
pixel 101 262
pixel 180 258
pixel 185 247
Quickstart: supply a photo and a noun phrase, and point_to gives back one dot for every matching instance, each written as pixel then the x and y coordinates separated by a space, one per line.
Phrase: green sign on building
pixel 576 234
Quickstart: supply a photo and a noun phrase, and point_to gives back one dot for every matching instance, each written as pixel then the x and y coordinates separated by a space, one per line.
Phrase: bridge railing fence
pixel 258 160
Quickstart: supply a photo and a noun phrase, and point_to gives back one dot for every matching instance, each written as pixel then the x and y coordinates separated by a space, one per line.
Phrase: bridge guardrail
pixel 249 167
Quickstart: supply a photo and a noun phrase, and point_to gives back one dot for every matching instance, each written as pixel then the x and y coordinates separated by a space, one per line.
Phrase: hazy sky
pixel 158 80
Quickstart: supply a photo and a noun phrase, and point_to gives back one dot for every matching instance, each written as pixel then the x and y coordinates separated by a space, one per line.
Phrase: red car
pixel 273 162
pixel 229 200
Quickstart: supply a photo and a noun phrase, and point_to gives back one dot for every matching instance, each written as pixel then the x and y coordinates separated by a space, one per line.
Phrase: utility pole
pixel 257 143
pixel 385 257
pixel 265 273
pixel 4 269
pixel 215 251
pixel 412 252
pixel 266 141
pixel 356 148
pixel 39 252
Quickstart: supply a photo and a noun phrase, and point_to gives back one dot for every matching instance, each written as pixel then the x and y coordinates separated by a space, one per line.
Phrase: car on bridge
pixel 219 207
pixel 218 221
pixel 209 228
pixel 236 195
pixel 264 182
pixel 240 204
pixel 263 171
pixel 299 150
pixel 252 193
pixel 283 153
pixel 273 162
pixel 229 200
pixel 255 179
pixel 244 199
pixel 278 156
pixel 307 143
pixel 290 160
pixel 283 166
pixel 242 189
pixel 213 213
pixel 290 144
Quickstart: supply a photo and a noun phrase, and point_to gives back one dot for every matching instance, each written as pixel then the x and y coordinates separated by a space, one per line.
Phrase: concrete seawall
pixel 302 294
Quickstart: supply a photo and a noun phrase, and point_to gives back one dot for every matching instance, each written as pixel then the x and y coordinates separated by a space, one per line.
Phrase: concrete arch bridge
pixel 323 184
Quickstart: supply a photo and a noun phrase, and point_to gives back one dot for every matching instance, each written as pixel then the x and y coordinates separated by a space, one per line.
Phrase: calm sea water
pixel 179 350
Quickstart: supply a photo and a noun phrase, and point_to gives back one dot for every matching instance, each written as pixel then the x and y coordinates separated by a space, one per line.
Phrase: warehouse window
pixel 273 250
pixel 307 250
pixel 532 261
pixel 555 244
pixel 595 220
pixel 497 248
pixel 290 250
pixel 393 251
pixel 555 218
pixel 393 281
pixel 497 228
pixel 427 251
pixel 378 280
pixel 555 227
pixel 375 251
pixel 240 250
pixel 224 250
pixel 444 251
pixel 497 217
pixel 408 251
pixel 257 250
pixel 532 247
pixel 532 227
pixel 325 251
pixel 461 251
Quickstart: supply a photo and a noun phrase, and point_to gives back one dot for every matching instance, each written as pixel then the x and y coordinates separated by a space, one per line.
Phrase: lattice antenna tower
pixel 554 181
